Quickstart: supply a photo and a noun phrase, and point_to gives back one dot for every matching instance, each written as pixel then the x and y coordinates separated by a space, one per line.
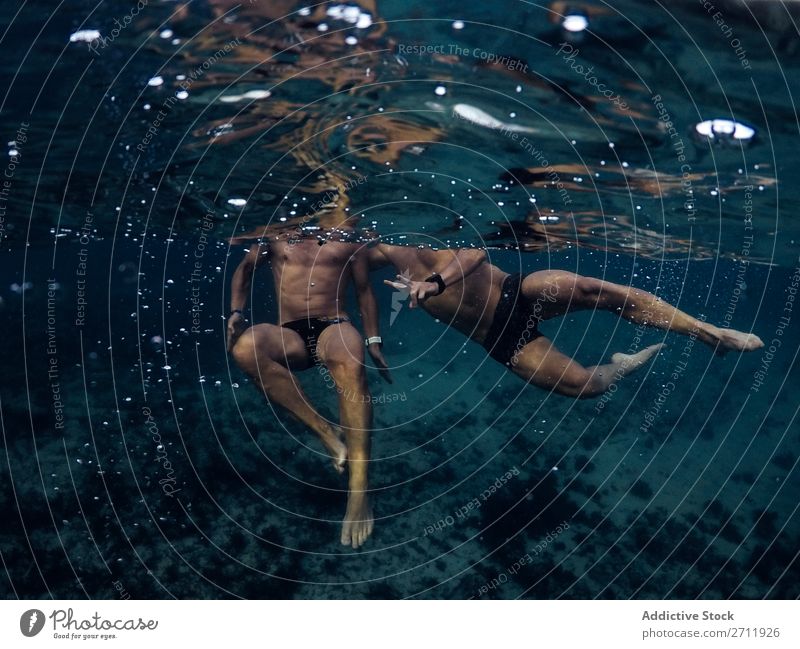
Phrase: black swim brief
pixel 515 323
pixel 310 329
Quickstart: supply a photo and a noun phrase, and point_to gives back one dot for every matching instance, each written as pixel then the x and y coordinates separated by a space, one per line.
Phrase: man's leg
pixel 542 365
pixel 555 292
pixel 341 349
pixel 265 352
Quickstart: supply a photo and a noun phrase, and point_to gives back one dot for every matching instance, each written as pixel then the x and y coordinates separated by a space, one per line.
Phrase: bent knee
pixel 346 365
pixel 243 350
pixel 348 370
pixel 248 354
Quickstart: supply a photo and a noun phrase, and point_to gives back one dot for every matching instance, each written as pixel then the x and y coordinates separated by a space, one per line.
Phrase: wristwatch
pixel 437 279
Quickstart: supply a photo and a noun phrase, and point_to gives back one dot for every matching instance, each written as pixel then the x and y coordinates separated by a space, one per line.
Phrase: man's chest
pixel 309 254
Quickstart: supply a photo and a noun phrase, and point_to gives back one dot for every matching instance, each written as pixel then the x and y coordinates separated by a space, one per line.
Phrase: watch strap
pixel 437 279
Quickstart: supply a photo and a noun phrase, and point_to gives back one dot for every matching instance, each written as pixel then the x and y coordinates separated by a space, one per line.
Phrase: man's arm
pixel 369 310
pixel 240 290
pixel 464 262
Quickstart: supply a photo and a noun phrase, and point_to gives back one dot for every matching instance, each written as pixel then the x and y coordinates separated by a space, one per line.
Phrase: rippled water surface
pixel 136 151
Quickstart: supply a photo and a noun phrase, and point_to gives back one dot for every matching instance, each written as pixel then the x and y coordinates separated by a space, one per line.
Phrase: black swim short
pixel 515 323
pixel 310 329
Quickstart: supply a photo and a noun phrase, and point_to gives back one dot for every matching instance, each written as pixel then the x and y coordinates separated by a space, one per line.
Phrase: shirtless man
pixel 501 311
pixel 311 276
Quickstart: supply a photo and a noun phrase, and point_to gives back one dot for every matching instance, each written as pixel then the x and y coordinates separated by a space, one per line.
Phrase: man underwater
pixel 502 311
pixel 311 276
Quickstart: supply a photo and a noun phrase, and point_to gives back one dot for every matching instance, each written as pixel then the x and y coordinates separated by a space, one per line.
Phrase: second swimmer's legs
pixel 544 366
pixel 556 292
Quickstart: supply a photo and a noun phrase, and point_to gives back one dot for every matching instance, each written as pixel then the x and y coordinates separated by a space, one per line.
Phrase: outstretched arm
pixel 464 262
pixel 240 289
pixel 369 310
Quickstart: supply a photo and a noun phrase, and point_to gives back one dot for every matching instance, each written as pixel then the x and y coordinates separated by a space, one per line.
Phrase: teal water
pixel 484 487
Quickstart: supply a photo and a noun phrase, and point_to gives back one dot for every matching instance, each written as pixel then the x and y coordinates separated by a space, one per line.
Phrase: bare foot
pixel 358 523
pixel 631 362
pixel 730 340
pixel 333 440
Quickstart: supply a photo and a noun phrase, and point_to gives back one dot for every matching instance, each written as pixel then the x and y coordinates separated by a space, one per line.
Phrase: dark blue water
pixel 136 455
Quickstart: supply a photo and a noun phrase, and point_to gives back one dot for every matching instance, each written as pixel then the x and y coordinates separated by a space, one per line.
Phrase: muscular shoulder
pixel 258 253
pixel 435 258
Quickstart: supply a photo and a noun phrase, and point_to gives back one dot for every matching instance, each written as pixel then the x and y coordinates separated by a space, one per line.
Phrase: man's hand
pixel 380 362
pixel 418 291
pixel 236 325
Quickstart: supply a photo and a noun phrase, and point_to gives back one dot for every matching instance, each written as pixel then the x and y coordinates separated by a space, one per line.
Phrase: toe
pixel 359 536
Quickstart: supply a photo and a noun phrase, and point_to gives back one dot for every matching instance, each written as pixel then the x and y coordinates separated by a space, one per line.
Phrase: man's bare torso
pixel 311 279
pixel 467 305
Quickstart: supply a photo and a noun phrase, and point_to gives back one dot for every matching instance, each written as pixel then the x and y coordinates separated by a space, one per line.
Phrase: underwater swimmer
pixel 311 280
pixel 501 311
